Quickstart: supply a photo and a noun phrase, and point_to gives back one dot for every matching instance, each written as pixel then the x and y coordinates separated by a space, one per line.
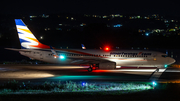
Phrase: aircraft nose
pixel 171 60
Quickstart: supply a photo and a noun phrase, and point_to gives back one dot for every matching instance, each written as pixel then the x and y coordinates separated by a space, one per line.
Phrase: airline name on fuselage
pixel 124 53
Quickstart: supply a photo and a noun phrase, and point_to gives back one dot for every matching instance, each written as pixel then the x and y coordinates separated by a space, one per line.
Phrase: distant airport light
pixel 147 34
pixel 118 25
pixel 41 37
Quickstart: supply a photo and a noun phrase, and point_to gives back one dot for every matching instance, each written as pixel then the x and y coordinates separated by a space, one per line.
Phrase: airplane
pixel 95 58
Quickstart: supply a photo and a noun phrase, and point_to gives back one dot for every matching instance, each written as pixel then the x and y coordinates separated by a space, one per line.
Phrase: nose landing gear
pixel 157 70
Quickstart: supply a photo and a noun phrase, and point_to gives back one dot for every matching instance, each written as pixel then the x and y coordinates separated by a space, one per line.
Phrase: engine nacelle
pixel 107 65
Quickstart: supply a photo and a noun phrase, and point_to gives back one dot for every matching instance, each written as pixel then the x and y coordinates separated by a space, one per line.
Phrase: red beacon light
pixel 107 48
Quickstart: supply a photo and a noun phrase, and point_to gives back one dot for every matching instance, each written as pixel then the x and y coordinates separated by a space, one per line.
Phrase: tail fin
pixel 83 47
pixel 27 39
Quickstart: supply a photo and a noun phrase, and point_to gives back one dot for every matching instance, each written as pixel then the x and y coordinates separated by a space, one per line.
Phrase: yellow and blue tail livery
pixel 27 39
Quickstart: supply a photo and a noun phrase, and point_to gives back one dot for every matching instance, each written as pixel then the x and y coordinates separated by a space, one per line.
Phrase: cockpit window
pixel 164 55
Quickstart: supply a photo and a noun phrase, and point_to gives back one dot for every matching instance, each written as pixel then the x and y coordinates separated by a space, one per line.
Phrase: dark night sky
pixel 164 7
pixel 147 7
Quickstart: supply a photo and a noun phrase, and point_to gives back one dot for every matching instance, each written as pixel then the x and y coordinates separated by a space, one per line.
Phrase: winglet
pixel 83 47
pixel 54 52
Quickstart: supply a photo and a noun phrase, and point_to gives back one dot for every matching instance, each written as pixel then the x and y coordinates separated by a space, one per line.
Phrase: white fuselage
pixel 132 58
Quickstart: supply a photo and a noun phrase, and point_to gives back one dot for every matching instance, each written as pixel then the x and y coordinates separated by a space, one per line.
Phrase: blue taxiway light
pixel 83 84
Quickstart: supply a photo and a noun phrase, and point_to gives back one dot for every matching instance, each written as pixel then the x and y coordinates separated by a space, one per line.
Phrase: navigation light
pixel 62 57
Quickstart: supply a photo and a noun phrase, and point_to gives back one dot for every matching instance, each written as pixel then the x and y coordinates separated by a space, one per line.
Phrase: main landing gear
pixel 92 67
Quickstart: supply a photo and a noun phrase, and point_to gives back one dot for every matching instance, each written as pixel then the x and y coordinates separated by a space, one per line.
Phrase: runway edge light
pixel 83 84
pixel 154 84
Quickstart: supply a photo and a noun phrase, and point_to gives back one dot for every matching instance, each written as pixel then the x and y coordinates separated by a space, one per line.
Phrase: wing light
pixel 62 57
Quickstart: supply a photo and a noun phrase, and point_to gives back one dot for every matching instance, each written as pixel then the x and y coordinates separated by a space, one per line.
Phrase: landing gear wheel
pixel 89 69
pixel 157 70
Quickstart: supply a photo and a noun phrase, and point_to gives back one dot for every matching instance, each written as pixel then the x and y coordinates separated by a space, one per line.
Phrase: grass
pixel 63 91
pixel 69 86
